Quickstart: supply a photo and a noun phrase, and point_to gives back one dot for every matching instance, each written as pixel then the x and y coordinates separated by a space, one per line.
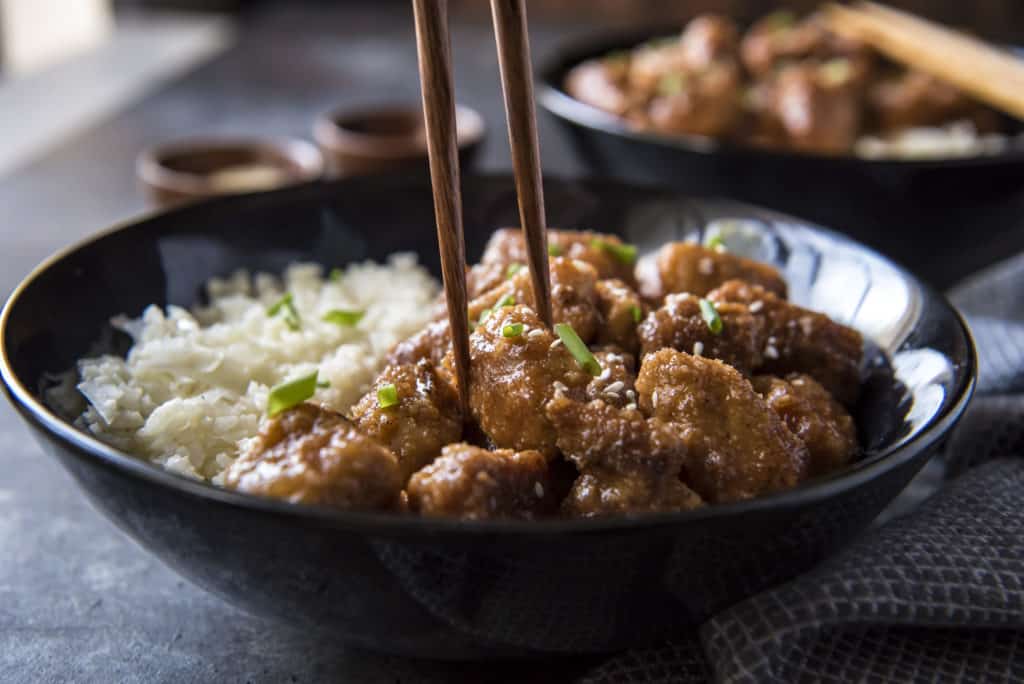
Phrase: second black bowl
pixel 455 589
pixel 892 205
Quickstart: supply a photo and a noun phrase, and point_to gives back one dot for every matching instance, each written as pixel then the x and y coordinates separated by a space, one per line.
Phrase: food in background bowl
pixel 786 84
pixel 684 379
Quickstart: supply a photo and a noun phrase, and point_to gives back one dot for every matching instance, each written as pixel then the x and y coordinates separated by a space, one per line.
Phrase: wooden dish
pixel 373 139
pixel 184 170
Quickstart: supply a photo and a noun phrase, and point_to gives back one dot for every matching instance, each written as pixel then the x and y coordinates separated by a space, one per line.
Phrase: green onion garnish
pixel 335 275
pixel 577 348
pixel 710 315
pixel 387 395
pixel 291 393
pixel 715 242
pixel 291 314
pixel 637 312
pixel 555 250
pixel 343 317
pixel 512 270
pixel 671 84
pixel 512 330
pixel 779 20
pixel 507 300
pixel 484 315
pixel 624 253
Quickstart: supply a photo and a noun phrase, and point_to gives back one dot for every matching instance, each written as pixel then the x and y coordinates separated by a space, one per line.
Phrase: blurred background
pixel 87 85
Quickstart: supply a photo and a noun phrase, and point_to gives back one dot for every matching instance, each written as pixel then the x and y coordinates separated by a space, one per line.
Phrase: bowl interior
pixel 920 360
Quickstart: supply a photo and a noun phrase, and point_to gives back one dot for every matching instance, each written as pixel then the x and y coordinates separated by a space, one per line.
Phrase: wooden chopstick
pixel 433 47
pixel 510 31
pixel 991 75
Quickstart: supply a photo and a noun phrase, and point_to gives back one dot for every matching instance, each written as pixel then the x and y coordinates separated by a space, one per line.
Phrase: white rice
pixel 194 386
pixel 959 139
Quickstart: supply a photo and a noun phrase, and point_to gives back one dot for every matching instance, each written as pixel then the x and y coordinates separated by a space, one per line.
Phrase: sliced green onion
pixel 512 330
pixel 578 349
pixel 343 317
pixel 387 395
pixel 512 270
pixel 276 307
pixel 335 275
pixel 780 19
pixel 671 84
pixel 484 315
pixel 715 242
pixel 637 312
pixel 624 253
pixel 507 300
pixel 555 250
pixel 291 314
pixel 291 393
pixel 710 315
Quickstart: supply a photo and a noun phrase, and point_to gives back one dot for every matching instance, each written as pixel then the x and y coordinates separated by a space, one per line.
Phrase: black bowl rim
pixel 91 449
pixel 553 98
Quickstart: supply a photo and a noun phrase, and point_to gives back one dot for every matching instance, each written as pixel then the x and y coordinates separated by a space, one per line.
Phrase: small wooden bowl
pixel 376 139
pixel 184 170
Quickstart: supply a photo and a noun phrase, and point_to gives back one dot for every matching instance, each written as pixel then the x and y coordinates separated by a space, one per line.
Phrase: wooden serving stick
pixel 991 75
pixel 520 110
pixel 433 46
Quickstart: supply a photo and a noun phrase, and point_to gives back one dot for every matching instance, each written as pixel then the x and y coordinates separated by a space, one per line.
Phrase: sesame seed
pixel 771 352
pixel 559 386
pixel 698 348
pixel 538 489
pixel 615 387
pixel 654 399
pixel 706 266
pixel 556 343
pixel 631 406
pixel 631 395
pixel 756 306
pixel 535 333
pixel 606 373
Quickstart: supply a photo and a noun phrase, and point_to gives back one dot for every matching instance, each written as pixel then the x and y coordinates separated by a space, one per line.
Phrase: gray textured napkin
pixel 937 595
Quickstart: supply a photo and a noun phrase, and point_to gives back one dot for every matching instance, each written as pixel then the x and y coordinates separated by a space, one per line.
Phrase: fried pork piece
pixel 598 493
pixel 779 38
pixel 425 418
pixel 702 103
pixel 811 414
pixel 431 344
pixel 736 446
pixel 601 83
pixel 621 310
pixel 707 39
pixel 481 278
pixel 615 384
pixel 506 247
pixel 801 341
pixel 313 455
pixel 818 112
pixel 913 98
pixel 689 267
pixel 627 463
pixel 679 324
pixel 574 297
pixel 475 484
pixel 511 378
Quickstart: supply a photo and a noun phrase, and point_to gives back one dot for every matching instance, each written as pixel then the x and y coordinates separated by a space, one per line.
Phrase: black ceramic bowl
pixel 450 589
pixel 891 205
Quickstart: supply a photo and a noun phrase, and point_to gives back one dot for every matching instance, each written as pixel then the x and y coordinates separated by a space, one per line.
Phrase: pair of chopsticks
pixel 991 75
pixel 433 46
